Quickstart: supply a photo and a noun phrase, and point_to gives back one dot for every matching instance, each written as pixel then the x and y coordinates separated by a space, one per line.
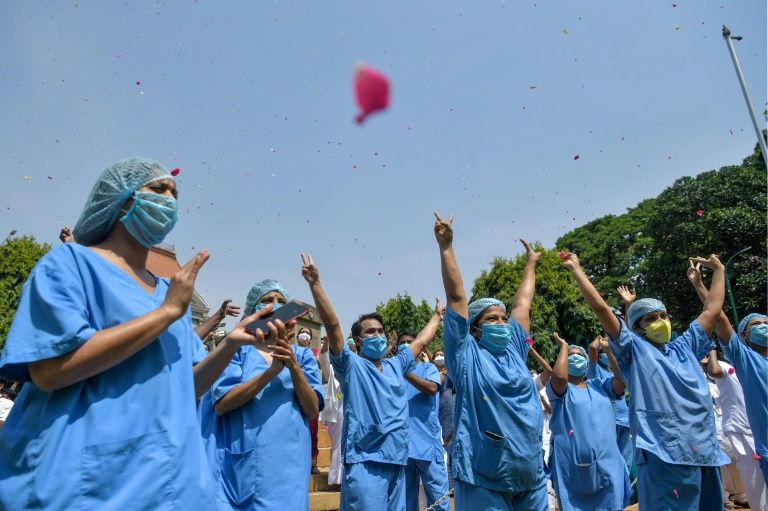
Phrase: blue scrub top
pixel 375 407
pixel 587 468
pixel 499 422
pixel 752 372
pixel 125 438
pixel 671 410
pixel 260 452
pixel 424 435
pixel 595 370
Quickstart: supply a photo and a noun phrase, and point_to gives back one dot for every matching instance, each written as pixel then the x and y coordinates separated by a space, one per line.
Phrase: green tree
pixel 401 315
pixel 17 258
pixel 557 305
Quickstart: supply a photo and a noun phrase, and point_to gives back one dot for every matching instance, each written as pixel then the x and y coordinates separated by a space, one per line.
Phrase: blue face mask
pixel 758 334
pixel 374 347
pixel 495 337
pixel 577 366
pixel 151 218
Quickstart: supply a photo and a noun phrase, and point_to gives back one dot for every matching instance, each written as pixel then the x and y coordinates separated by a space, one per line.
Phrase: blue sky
pixel 490 103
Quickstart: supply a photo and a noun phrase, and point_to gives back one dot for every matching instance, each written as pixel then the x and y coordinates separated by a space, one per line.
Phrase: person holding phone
pixel 255 419
pixel 497 460
pixel 107 418
pixel 375 436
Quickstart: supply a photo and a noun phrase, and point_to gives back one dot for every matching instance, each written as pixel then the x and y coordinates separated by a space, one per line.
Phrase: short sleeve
pixel 311 373
pixel 231 376
pixel 432 374
pixel 622 349
pixel 455 336
pixel 735 352
pixel 551 392
pixel 519 339
pixel 606 384
pixel 51 318
pixel 697 339
pixel 406 361
pixel 595 370
pixel 341 361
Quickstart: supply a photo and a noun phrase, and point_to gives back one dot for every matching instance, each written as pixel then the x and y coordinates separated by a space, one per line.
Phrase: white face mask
pixel 439 360
pixel 303 336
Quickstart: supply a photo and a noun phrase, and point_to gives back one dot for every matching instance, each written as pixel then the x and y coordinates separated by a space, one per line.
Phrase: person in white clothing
pixel 6 403
pixel 737 442
pixel 541 383
pixel 333 413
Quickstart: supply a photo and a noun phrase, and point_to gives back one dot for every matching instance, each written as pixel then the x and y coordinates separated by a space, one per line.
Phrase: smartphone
pixel 286 313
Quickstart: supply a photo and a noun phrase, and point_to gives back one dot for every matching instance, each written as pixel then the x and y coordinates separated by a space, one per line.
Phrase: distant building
pixel 163 263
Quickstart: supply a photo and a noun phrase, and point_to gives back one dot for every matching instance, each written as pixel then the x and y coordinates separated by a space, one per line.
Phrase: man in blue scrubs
pixel 671 414
pixel 497 459
pixel 425 447
pixel 375 436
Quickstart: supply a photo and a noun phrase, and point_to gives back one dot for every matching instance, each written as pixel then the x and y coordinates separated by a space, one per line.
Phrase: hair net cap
pixel 749 317
pixel 260 289
pixel 577 347
pixel 478 306
pixel 115 185
pixel 643 306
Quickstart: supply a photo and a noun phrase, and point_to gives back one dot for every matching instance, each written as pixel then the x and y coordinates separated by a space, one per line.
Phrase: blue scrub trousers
pixel 624 440
pixel 433 476
pixel 469 497
pixel 666 487
pixel 373 486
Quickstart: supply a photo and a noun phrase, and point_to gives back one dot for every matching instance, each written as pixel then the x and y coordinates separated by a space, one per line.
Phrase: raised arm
pixel 327 315
pixel 618 384
pixel 521 306
pixel 560 370
pixel 227 309
pixel 713 305
pixel 546 369
pixel 713 368
pixel 428 332
pixel 724 328
pixel 454 287
pixel 627 297
pixel 595 302
pixel 594 349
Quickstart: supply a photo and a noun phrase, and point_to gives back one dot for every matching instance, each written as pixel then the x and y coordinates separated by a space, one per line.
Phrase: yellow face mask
pixel 659 332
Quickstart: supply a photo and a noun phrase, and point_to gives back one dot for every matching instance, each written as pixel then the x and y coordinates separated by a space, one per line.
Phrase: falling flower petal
pixel 570 432
pixel 175 172
pixel 529 340
pixel 675 492
pixel 562 255
pixel 371 92
pixel 731 370
pixel 700 212
pixel 576 157
pixel 756 457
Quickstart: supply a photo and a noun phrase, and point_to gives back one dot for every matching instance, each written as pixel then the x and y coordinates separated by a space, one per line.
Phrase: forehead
pixel 574 351
pixel 407 338
pixel 493 310
pixel 757 321
pixel 654 314
pixel 271 296
pixel 370 323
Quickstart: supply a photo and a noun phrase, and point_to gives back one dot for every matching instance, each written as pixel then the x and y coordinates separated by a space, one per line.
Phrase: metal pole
pixel 758 131
pixel 728 286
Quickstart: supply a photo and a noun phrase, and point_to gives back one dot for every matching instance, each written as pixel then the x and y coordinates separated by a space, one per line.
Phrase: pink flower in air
pixel 731 370
pixel 562 255
pixel 700 212
pixel 756 457
pixel 175 172
pixel 529 340
pixel 371 91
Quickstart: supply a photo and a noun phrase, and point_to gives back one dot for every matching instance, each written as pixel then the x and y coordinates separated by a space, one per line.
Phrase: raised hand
pixel 560 341
pixel 603 343
pixel 626 295
pixel 308 270
pixel 65 235
pixel 281 348
pixel 713 262
pixel 694 273
pixel 241 335
pixel 227 308
pixel 443 231
pixel 183 285
pixel 439 308
pixel 530 254
pixel 571 261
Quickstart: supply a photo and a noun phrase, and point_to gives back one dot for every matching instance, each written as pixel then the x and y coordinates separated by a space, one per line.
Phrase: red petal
pixel 576 157
pixel 562 255
pixel 175 172
pixel 371 91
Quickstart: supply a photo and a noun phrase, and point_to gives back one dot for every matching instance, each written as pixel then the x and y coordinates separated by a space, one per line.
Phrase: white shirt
pixel 731 401
pixel 5 408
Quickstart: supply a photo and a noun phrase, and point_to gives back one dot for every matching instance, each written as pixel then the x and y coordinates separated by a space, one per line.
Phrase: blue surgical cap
pixel 478 306
pixel 641 307
pixel 580 348
pixel 260 289
pixel 749 317
pixel 115 185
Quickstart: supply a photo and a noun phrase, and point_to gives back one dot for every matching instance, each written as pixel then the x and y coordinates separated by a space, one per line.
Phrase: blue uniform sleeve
pixel 432 374
pixel 311 372
pixel 595 370
pixel 697 339
pixel 341 361
pixel 622 349
pixel 735 352
pixel 519 339
pixel 455 337
pixel 551 393
pixel 230 377
pixel 606 385
pixel 52 316
pixel 406 361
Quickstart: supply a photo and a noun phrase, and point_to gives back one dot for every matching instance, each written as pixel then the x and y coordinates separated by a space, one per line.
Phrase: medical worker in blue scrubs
pixel 426 460
pixel 588 471
pixel 375 436
pixel 600 367
pixel 671 413
pixel 107 420
pixel 497 458
pixel 255 419
pixel 748 352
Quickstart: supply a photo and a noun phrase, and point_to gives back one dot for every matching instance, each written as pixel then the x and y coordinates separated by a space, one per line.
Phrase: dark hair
pixel 305 329
pixel 357 327
pixel 404 334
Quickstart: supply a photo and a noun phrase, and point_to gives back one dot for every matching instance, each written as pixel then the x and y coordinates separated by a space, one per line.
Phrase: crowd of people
pixel 123 408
